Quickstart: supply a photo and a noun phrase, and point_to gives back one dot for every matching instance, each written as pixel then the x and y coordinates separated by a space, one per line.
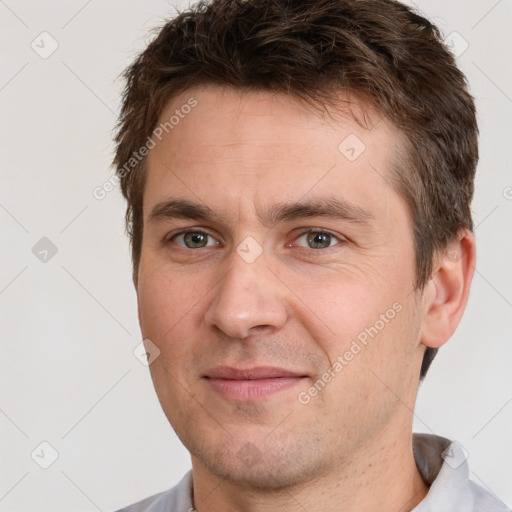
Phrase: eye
pixel 193 239
pixel 319 239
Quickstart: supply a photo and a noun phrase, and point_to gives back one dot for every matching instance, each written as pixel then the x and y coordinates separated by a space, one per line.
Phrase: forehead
pixel 217 144
pixel 246 113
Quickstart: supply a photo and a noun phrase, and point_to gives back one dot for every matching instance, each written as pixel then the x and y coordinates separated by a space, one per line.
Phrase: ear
pixel 446 294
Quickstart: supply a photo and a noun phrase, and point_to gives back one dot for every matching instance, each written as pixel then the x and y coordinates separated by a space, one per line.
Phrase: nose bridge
pixel 248 296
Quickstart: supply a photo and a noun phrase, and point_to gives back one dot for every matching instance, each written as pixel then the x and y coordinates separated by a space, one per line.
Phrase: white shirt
pixel 441 463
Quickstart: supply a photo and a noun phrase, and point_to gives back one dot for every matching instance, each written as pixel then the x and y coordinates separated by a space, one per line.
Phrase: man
pixel 299 177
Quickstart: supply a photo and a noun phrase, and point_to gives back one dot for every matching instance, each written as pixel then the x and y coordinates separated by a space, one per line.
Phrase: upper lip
pixel 255 373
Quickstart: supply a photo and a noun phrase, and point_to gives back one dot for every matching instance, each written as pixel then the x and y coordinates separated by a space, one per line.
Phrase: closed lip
pixel 255 373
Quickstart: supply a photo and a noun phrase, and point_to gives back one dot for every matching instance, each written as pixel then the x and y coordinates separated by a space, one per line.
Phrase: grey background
pixel 69 324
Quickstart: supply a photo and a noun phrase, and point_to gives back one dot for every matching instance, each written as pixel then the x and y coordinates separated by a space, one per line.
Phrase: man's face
pixel 327 321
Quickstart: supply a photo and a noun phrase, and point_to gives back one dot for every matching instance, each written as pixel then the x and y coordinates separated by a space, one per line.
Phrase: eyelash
pixel 342 240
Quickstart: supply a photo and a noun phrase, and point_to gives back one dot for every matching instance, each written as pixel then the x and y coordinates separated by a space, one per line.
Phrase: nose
pixel 250 298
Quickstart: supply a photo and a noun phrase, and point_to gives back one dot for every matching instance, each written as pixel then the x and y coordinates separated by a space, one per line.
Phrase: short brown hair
pixel 377 50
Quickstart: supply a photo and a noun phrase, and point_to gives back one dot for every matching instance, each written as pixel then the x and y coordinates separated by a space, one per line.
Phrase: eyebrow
pixel 329 207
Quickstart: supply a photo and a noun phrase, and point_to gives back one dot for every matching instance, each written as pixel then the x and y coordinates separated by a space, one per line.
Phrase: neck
pixel 381 475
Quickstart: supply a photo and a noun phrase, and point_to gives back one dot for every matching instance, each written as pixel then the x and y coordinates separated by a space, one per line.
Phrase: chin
pixel 272 466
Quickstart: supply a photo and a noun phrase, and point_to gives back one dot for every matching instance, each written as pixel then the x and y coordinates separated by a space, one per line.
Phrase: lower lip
pixel 252 389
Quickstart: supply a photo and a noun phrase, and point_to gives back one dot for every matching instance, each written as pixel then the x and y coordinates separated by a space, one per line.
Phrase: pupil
pixel 318 240
pixel 195 239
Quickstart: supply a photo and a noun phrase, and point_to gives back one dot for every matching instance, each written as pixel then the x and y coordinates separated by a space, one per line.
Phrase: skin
pixel 294 306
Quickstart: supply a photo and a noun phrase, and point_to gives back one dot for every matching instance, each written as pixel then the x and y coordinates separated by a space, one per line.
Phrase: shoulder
pixel 443 465
pixel 177 498
pixel 481 499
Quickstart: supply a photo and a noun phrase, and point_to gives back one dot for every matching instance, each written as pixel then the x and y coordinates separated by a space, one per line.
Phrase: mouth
pixel 252 383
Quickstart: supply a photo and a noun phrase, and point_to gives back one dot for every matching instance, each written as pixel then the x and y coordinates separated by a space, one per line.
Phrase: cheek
pixel 172 304
pixel 369 365
pixel 349 306
pixel 169 318
pixel 373 340
pixel 165 297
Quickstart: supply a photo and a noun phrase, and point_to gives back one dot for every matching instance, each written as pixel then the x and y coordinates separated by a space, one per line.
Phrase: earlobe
pixel 447 292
